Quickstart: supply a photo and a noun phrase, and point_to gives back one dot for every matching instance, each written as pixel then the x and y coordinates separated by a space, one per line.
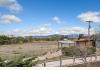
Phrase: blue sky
pixel 55 16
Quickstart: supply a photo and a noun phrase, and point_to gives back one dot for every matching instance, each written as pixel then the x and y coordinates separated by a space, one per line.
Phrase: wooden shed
pixel 85 43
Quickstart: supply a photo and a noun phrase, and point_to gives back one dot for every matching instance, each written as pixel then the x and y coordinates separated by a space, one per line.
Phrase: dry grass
pixel 27 49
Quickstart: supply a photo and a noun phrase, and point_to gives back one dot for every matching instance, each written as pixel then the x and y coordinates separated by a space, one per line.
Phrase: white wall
pixel 98 44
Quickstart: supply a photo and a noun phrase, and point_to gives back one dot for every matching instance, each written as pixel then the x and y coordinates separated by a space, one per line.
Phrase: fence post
pixel 73 60
pixel 95 57
pixel 45 62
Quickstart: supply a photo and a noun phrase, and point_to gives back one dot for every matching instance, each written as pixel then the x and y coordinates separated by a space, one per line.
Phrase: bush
pixel 1 62
pixel 71 51
pixel 66 51
pixel 91 50
pixel 19 62
pixel 76 51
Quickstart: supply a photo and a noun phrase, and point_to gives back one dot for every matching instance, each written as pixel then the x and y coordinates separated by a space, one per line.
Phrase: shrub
pixel 91 50
pixel 1 62
pixel 19 62
pixel 76 51
pixel 71 51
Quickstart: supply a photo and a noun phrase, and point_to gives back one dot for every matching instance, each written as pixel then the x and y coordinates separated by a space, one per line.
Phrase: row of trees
pixel 51 38
pixel 9 40
pixel 13 40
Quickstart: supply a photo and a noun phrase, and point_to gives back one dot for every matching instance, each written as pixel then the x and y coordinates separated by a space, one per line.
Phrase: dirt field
pixel 27 49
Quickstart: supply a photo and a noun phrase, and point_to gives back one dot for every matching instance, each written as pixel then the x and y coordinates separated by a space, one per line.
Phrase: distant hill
pixel 53 35
pixel 72 35
pixel 40 36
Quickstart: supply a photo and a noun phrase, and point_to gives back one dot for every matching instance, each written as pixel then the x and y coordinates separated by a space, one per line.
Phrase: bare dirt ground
pixel 27 49
pixel 69 62
pixel 91 64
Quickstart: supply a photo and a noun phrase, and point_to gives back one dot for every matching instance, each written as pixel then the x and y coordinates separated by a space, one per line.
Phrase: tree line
pixel 14 40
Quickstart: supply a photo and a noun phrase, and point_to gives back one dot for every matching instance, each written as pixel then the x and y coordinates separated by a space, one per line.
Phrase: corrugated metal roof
pixel 84 40
pixel 66 41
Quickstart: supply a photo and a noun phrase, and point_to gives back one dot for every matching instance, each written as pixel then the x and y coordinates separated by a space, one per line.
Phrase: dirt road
pixel 67 62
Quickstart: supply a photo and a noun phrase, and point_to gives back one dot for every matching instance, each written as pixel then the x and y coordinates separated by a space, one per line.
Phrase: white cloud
pixel 17 31
pixel 9 19
pixel 12 5
pixel 56 19
pixel 41 31
pixel 90 16
pixel 38 31
pixel 75 30
pixel 47 24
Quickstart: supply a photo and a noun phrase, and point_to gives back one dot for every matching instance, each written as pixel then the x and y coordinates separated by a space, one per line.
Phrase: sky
pixel 45 17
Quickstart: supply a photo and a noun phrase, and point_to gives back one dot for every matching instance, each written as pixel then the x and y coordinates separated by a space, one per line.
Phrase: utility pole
pixel 89 27
pixel 61 57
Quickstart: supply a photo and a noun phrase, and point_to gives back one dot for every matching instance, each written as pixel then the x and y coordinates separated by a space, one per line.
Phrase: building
pixel 97 40
pixel 66 42
pixel 85 42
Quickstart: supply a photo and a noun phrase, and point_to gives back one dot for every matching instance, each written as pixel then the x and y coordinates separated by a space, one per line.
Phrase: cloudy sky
pixel 45 17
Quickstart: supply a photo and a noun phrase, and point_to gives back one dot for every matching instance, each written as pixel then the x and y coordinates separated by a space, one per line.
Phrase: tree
pixel 75 52
pixel 4 39
pixel 20 40
pixel 29 39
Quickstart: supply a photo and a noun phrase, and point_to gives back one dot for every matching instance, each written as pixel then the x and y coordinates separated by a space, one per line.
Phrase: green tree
pixel 4 39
